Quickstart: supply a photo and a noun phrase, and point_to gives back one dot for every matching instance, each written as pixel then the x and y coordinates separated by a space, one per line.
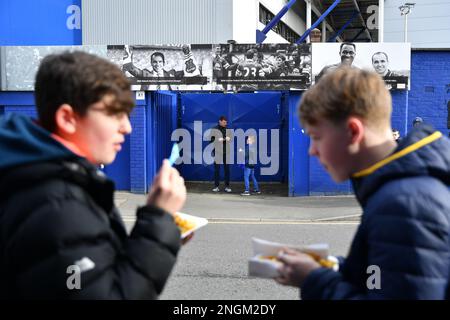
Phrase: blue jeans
pixel 247 173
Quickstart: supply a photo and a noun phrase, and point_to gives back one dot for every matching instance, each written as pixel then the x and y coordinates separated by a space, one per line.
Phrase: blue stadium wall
pixel 155 117
pixel 428 98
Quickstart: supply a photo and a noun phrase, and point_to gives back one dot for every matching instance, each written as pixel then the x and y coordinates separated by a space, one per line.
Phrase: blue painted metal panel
pixel 40 22
pixel 306 175
pixel 126 170
pixel 206 108
pixel 256 108
pixel 17 98
pixel 284 147
pixel 299 172
pixel 244 111
pixel 162 121
pixel 138 150
pixel 399 117
pixel 119 170
pixel 447 102
pixel 19 102
pixel 150 155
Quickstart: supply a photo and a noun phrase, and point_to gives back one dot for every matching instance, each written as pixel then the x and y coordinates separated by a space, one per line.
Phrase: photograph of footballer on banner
pixel 392 61
pixel 250 67
pixel 164 67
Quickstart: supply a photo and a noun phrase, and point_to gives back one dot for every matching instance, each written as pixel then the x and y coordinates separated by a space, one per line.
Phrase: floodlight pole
pixel 406 28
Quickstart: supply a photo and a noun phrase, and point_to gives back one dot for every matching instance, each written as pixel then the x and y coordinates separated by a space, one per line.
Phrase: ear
pixel 355 128
pixel 66 120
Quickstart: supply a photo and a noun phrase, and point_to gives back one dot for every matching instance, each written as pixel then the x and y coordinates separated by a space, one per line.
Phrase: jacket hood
pixel 424 152
pixel 23 142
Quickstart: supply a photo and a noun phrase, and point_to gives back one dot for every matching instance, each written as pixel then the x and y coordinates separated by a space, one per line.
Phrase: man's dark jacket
pixel 57 214
pixel 221 148
pixel 404 230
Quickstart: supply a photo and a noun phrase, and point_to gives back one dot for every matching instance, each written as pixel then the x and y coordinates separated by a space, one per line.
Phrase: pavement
pixel 268 207
pixel 214 265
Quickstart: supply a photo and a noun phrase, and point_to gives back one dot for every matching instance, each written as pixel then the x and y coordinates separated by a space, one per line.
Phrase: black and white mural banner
pixel 392 61
pixel 165 67
pixel 250 67
pixel 222 67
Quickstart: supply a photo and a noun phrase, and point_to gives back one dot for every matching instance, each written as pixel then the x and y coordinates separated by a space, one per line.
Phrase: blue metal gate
pixel 161 120
pixel 119 170
pixel 243 111
pixel 298 152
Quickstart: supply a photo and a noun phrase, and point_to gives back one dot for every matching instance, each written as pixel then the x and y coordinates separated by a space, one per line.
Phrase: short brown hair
pixel 347 92
pixel 79 79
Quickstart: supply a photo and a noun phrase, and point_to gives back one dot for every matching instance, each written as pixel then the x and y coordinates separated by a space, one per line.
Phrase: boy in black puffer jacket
pixel 61 235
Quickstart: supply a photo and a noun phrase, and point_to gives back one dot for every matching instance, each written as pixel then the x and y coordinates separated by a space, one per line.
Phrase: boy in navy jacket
pixel 402 247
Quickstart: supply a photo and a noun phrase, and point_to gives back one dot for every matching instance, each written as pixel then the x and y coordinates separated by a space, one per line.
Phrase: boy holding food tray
pixel 62 236
pixel 401 249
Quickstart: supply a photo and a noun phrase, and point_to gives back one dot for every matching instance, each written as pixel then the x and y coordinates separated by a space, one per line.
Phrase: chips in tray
pixel 265 263
pixel 188 223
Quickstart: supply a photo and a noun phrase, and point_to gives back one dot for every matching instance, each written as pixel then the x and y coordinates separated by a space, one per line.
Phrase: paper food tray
pixel 198 222
pixel 265 268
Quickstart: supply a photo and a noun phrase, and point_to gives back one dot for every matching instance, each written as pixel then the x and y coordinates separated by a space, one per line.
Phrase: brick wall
pixel 399 111
pixel 430 88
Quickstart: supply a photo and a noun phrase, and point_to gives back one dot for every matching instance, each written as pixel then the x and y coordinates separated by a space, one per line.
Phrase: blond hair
pixel 347 92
